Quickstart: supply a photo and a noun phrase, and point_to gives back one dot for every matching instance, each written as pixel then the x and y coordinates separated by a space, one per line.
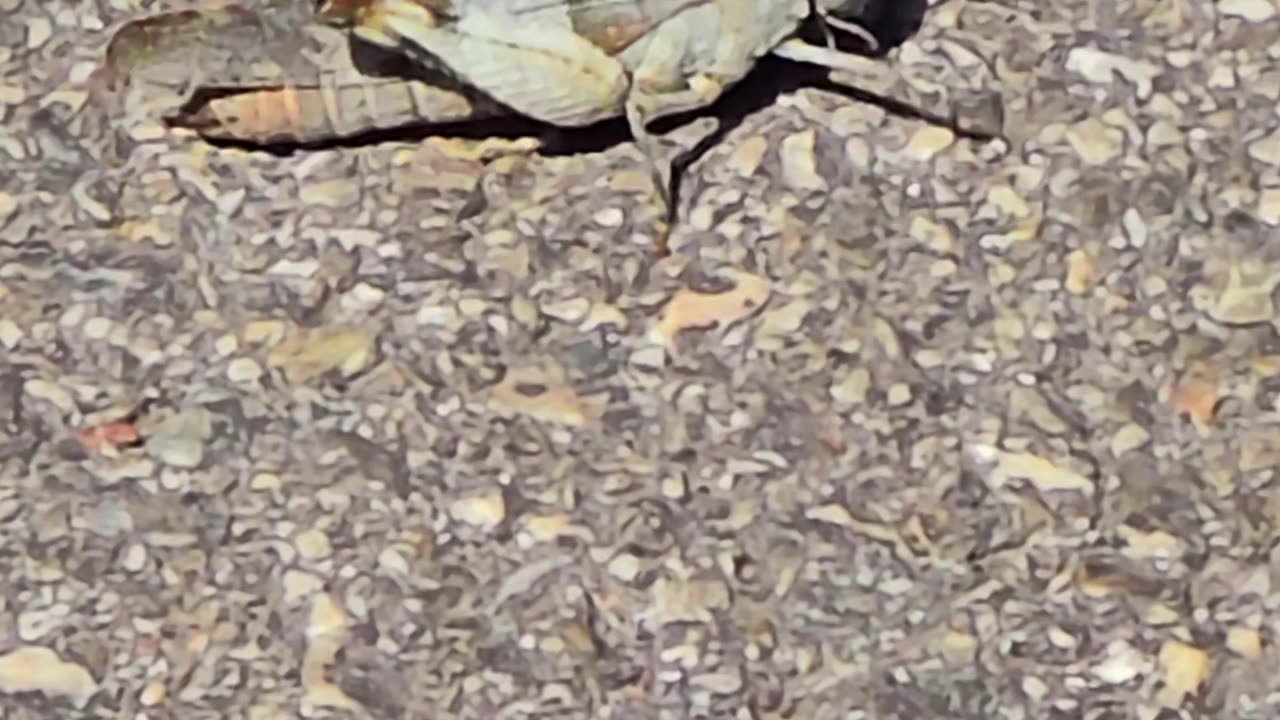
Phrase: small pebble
pixel 1255 11
pixel 51 393
pixel 39 30
pixel 625 567
pixel 243 370
pixel 97 328
pixel 265 481
pixel 11 95
pixel 392 561
pixel 928 141
pixel 1245 642
pixel 299 585
pixel 482 510
pixel 134 558
pixel 226 344
pixel 313 544
pixel 153 694
pixel 10 334
pixel 1129 437
pixel 609 217
pixel 899 394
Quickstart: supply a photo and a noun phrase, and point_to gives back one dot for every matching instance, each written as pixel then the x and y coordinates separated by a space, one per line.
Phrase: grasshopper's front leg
pixel 685 64
pixel 659 88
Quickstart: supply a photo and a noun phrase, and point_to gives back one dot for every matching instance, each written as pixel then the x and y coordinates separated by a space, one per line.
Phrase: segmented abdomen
pixel 347 107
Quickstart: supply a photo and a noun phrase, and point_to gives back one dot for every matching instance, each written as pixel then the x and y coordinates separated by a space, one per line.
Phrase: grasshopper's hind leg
pixel 644 107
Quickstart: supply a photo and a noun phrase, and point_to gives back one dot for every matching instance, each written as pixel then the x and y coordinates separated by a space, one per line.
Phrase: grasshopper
pixel 230 74
pixel 574 62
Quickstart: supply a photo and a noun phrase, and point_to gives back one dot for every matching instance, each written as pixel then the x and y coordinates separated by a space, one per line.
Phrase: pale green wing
pixel 540 69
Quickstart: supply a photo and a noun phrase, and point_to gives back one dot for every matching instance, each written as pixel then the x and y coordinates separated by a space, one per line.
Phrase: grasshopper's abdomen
pixel 304 114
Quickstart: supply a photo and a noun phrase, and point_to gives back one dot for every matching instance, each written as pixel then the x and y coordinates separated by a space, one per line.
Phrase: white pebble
pixel 135 558
pixel 8 205
pixel 625 567
pixel 51 393
pixel 1255 11
pixel 97 328
pixel 899 394
pixel 243 370
pixel 313 544
pixel 72 316
pixel 392 561
pixel 609 217
pixel 485 511
pixel 364 294
pixel 10 334
pixel 226 344
pixel 39 30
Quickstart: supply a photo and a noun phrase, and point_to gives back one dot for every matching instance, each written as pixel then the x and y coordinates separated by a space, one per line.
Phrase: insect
pixel 282 77
pixel 575 62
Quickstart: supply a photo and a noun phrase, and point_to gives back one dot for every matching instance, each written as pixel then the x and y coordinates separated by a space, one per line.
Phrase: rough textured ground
pixel 975 430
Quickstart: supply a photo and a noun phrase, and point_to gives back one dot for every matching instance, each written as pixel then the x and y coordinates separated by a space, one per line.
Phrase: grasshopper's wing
pixel 552 60
pixel 534 65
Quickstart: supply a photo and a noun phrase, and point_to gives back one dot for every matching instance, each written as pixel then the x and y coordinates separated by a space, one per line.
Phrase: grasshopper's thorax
pixel 775 21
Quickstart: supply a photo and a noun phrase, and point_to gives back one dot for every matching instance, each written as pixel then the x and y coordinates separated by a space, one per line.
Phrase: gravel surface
pixel 906 425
